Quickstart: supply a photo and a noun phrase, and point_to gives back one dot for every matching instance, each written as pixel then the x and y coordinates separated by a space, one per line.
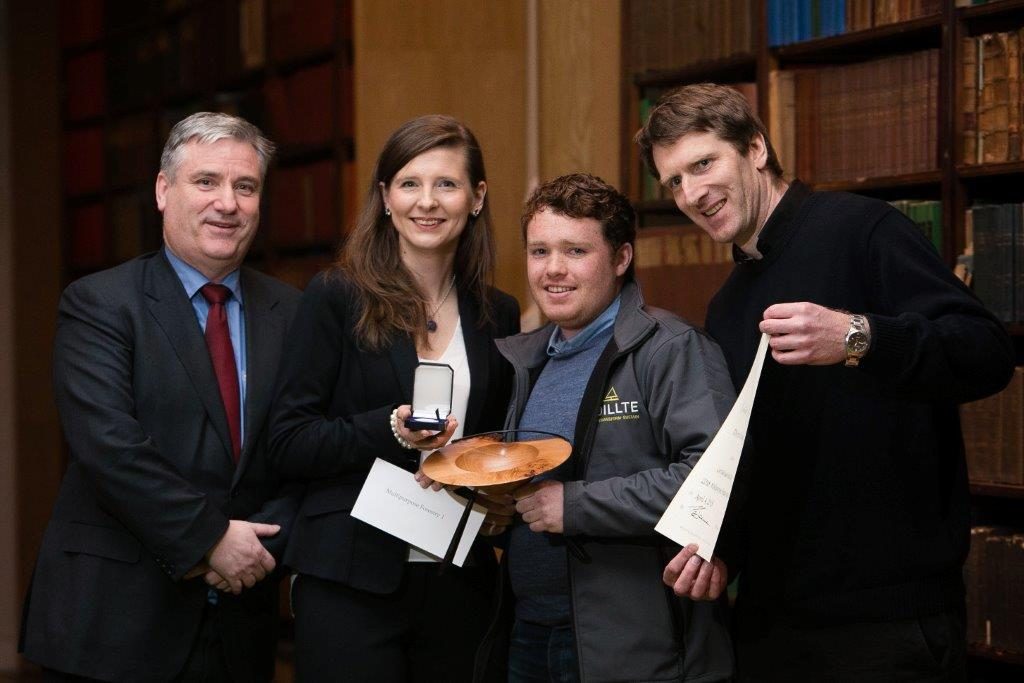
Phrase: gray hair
pixel 207 127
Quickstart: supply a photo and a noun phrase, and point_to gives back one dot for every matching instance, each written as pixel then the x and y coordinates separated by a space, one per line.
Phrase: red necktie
pixel 218 340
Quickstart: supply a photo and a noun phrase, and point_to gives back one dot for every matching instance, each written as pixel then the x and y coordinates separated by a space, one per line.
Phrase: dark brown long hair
pixel 390 301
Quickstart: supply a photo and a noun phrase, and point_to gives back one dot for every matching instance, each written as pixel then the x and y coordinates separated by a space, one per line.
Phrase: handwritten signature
pixel 695 512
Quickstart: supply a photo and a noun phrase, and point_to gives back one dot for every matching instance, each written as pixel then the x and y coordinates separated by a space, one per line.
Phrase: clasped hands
pixel 238 560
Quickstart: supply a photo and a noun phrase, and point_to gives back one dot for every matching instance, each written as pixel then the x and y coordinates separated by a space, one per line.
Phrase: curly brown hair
pixel 581 195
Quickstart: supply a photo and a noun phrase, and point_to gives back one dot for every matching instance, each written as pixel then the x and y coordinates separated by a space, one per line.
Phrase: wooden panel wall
pixel 461 57
pixel 469 59
pixel 579 88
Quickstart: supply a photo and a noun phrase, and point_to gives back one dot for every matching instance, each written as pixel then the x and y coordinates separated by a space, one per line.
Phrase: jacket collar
pixel 632 325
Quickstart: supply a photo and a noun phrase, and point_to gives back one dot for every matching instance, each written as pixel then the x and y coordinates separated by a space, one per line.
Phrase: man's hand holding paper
pixel 691 577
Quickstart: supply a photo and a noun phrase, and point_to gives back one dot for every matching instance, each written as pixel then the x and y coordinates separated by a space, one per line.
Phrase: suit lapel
pixel 402 355
pixel 262 330
pixel 167 302
pixel 477 347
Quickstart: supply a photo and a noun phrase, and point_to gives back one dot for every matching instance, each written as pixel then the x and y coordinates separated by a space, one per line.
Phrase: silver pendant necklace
pixel 431 323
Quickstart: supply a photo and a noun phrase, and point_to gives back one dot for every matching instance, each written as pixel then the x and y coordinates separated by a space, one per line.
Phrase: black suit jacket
pixel 151 484
pixel 331 420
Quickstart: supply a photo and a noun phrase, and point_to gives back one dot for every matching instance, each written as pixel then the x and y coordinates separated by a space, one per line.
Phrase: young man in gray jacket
pixel 640 394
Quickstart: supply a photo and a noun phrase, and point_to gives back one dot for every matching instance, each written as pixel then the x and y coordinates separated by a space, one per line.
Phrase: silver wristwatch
pixel 858 339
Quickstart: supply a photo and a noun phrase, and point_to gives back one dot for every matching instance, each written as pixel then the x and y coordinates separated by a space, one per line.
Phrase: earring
pixel 476 212
pixel 387 211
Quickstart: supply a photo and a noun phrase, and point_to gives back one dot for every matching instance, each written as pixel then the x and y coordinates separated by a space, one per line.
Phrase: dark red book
pixel 89 239
pixel 302 205
pixel 83 161
pixel 301 27
pixel 85 85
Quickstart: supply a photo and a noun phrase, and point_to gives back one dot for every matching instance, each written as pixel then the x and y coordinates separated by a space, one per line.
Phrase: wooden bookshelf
pixel 907 180
pixel 1010 168
pixel 817 66
pixel 901 37
pixel 1000 10
pixel 994 490
pixel 739 67
pixel 995 654
pixel 131 71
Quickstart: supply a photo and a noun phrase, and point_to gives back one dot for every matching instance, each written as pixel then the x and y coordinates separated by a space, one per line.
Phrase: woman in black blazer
pixel 410 283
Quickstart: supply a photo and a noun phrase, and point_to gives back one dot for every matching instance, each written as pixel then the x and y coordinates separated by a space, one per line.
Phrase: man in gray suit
pixel 158 562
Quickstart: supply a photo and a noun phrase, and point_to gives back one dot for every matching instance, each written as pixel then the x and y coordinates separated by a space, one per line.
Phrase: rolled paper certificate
pixel 696 512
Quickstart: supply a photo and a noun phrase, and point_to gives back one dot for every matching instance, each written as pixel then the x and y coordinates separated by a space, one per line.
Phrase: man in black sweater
pixel 856 522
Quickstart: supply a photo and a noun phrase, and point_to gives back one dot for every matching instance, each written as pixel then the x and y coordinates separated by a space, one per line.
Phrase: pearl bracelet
pixel 394 430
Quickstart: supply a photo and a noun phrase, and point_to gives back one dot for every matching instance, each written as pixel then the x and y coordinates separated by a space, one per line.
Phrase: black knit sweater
pixel 857 499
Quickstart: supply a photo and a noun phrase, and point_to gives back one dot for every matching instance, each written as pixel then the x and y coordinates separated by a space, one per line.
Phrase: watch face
pixel 856 342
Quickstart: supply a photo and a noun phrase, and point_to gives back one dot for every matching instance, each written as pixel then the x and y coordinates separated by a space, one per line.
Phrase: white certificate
pixel 696 512
pixel 394 502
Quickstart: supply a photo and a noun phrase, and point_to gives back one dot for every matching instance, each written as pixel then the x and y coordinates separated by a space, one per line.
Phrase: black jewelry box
pixel 431 397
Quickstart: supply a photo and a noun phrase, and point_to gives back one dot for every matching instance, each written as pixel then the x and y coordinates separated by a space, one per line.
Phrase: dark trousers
pixel 931 648
pixel 542 654
pixel 428 630
pixel 205 662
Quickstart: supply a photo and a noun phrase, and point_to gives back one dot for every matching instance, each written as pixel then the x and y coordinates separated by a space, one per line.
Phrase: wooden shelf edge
pixel 655 206
pixel 881 182
pixel 738 67
pixel 819 47
pixel 985 170
pixel 992 9
pixel 994 490
pixel 995 654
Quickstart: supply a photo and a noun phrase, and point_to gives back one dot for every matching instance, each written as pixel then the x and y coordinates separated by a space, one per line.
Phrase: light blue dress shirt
pixel 559 346
pixel 192 280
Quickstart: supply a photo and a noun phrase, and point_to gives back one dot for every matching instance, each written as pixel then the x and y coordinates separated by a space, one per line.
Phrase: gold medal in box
pixel 492 462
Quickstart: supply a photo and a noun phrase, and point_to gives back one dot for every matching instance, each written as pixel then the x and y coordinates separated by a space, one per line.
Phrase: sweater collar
pixel 779 226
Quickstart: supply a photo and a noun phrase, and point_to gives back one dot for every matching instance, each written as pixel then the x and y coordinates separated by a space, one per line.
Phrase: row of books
pixel 100 234
pixel 296 111
pixel 971 3
pixel 995 592
pixel 242 27
pixel 666 34
pixel 793 21
pixel 302 210
pixel 867 120
pixel 993 431
pixel 927 214
pixel 997 233
pixel 194 51
pixel 992 103
pixel 680 268
pixel 303 204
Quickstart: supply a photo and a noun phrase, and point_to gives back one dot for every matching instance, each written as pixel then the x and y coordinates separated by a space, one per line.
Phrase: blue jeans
pixel 542 654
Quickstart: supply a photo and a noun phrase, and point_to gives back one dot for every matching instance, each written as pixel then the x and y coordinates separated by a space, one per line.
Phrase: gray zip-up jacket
pixel 655 400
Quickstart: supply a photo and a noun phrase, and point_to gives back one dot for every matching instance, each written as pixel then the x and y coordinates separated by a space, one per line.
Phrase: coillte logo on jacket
pixel 614 409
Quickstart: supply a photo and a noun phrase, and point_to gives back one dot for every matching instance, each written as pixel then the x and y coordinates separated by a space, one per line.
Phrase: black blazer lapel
pixel 166 299
pixel 402 355
pixel 262 328
pixel 477 352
